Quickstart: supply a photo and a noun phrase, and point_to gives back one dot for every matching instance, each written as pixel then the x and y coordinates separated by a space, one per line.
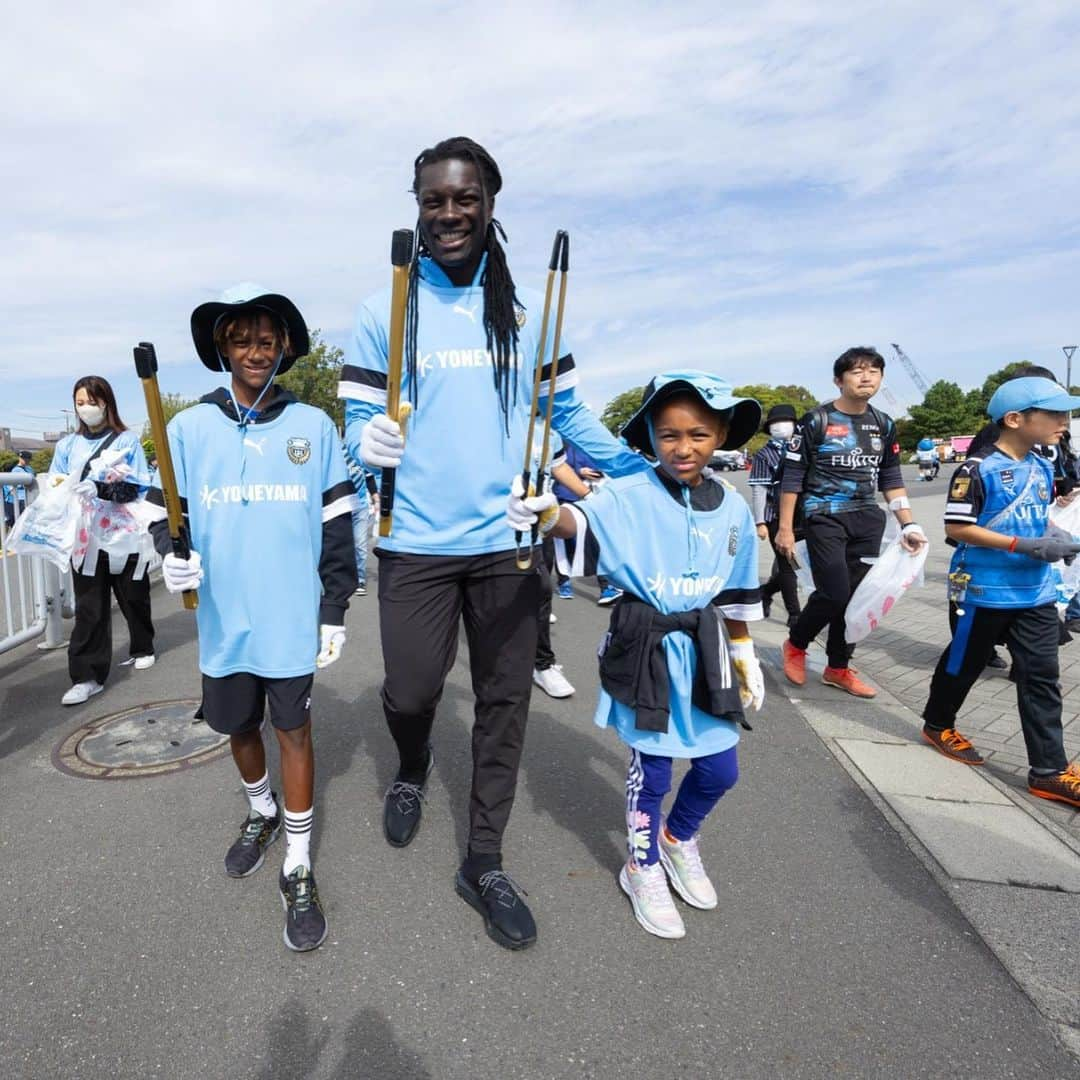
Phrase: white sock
pixel 298 839
pixel 262 802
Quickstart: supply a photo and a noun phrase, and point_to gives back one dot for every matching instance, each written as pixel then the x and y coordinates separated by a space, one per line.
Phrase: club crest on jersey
pixel 519 316
pixel 1044 493
pixel 299 450
pixel 875 444
pixel 733 540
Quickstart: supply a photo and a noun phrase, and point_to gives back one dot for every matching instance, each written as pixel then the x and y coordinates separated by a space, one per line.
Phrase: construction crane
pixel 911 369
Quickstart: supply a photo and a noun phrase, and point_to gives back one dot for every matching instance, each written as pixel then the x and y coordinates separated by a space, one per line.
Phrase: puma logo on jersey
pixel 469 313
pixel 255 444
pixel 704 535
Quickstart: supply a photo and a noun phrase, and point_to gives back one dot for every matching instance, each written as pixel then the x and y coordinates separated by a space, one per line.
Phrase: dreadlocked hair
pixel 500 299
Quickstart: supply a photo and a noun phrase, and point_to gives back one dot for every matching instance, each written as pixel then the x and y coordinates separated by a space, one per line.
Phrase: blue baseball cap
pixel 714 391
pixel 1030 392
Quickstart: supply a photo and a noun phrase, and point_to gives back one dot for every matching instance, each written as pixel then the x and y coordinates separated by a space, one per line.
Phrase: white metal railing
pixel 34 596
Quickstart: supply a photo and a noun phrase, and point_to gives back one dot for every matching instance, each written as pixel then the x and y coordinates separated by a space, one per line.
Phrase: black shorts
pixel 235 704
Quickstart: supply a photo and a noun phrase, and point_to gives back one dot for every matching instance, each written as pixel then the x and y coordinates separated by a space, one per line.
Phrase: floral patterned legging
pixel 648 780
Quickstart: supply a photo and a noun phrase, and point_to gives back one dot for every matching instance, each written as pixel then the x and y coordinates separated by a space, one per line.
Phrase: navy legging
pixel 648 780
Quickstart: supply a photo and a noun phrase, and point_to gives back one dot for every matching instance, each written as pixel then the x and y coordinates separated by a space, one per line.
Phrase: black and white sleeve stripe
pixel 741 605
pixel 339 499
pixel 362 384
pixel 566 376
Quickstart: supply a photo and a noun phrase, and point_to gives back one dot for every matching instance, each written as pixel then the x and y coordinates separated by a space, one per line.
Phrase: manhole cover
pixel 149 740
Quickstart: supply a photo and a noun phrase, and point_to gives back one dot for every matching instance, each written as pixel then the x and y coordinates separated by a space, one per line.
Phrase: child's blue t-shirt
pixel 1010 497
pixel 679 561
pixel 256 500
pixel 461 454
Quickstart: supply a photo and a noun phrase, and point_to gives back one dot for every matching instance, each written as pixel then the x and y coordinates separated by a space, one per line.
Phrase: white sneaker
pixel 81 692
pixel 682 861
pixel 653 907
pixel 554 617
pixel 144 662
pixel 553 682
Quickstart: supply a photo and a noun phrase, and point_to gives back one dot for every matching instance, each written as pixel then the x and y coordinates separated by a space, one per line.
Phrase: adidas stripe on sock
pixel 262 802
pixel 298 839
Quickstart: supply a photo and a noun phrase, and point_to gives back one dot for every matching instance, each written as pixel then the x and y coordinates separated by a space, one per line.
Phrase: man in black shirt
pixel 841 455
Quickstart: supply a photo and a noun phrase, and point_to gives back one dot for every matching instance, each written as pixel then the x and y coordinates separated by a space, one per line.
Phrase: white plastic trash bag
pixel 47 528
pixel 887 580
pixel 1068 518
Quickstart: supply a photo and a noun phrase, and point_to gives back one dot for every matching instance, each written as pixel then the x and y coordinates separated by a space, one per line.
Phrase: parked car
pixel 729 460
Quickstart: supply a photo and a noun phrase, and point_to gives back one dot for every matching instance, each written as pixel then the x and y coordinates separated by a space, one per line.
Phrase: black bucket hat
pixel 205 318
pixel 779 412
pixel 714 391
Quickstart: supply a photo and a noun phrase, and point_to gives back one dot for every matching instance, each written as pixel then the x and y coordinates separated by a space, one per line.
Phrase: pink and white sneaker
pixel 648 890
pixel 682 862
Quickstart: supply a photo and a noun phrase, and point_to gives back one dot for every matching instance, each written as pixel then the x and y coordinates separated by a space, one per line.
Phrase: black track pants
pixel 422 601
pixel 545 654
pixel 782 580
pixel 836 543
pixel 90 647
pixel 1032 637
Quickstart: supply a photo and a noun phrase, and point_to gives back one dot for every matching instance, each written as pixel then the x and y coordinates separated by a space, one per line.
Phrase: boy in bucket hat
pixel 765 472
pixel 678 666
pixel 268 503
pixel 1003 585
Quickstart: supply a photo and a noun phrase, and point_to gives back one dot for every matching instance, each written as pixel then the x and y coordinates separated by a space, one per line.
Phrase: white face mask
pixel 782 429
pixel 90 415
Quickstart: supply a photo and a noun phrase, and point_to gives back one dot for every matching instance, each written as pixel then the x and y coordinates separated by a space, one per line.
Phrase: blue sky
pixel 750 187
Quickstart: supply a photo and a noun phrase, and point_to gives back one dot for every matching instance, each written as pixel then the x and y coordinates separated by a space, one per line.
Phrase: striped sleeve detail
pixel 566 376
pixel 580 556
pixel 743 605
pixel 339 499
pixel 362 384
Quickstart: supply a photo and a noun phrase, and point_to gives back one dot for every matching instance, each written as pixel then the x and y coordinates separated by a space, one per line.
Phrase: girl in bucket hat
pixel 678 666
pixel 268 504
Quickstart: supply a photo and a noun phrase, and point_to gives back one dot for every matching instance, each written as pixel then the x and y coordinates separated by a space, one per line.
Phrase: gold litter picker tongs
pixel 560 261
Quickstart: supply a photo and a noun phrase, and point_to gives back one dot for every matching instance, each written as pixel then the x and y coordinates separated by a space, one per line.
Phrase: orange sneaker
pixel 794 664
pixel 1061 787
pixel 843 678
pixel 953 745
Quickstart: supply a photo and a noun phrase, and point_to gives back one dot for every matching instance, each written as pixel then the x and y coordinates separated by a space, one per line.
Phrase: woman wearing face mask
pixel 110 555
pixel 765 493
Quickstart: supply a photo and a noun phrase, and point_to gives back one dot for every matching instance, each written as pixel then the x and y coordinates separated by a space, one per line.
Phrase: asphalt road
pixel 129 953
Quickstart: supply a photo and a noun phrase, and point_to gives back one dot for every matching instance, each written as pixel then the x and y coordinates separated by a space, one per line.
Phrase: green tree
pixel 620 408
pixel 8 461
pixel 768 396
pixel 171 404
pixel 314 379
pixel 946 410
pixel 41 460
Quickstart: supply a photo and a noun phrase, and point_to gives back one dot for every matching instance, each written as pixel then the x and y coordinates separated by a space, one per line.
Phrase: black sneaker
pixel 402 807
pixel 256 835
pixel 507 918
pixel 305 924
pixel 996 661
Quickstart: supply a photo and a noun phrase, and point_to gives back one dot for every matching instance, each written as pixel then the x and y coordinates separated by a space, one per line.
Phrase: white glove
pixel 331 643
pixel 87 489
pixel 522 514
pixel 381 443
pixel 182 575
pixel 912 537
pixel 748 672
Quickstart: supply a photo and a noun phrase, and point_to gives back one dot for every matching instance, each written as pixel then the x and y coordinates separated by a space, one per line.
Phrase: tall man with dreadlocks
pixel 470 346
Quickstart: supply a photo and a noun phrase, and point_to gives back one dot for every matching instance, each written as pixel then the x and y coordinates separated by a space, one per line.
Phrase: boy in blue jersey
pixel 841 455
pixel 677 667
pixel 471 343
pixel 268 503
pixel 1002 583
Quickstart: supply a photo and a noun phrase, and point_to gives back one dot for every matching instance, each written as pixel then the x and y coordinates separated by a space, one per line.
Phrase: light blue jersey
pixel 74 451
pixel 256 500
pixel 1010 497
pixel 684 559
pixel 452 486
